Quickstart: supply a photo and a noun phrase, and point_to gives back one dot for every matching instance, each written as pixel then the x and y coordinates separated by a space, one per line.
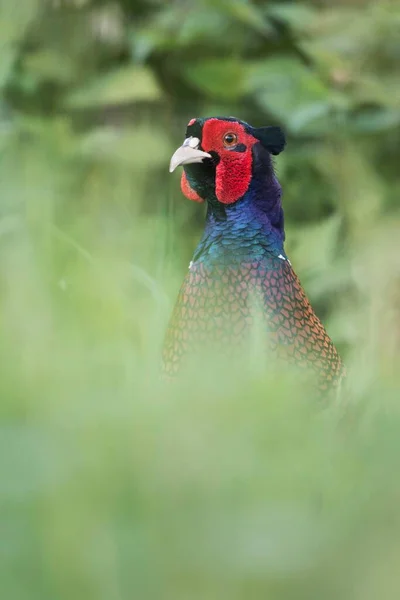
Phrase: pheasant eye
pixel 230 139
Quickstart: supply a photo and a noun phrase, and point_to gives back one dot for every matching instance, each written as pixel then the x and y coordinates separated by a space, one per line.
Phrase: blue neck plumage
pixel 249 229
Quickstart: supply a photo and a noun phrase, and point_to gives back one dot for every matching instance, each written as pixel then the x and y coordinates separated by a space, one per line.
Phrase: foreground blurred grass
pixel 117 486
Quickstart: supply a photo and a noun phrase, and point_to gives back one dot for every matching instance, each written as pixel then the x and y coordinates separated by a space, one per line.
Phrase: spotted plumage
pixel 240 280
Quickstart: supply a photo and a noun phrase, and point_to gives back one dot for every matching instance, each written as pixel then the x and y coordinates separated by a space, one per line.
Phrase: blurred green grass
pixel 113 484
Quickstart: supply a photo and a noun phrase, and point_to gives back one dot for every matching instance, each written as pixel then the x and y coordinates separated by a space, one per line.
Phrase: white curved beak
pixel 188 153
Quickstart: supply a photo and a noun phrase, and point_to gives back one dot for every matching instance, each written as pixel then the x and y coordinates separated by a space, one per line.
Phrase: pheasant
pixel 240 277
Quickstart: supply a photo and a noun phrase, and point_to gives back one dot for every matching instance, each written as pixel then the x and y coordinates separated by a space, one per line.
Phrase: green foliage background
pixel 114 485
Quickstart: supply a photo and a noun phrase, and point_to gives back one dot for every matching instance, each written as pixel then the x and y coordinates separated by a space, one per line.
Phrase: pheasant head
pixel 228 164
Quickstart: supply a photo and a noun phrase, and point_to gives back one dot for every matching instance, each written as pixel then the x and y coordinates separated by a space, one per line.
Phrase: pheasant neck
pixel 247 229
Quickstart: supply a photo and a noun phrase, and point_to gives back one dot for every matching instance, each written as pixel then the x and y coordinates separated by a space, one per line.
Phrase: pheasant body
pixel 240 278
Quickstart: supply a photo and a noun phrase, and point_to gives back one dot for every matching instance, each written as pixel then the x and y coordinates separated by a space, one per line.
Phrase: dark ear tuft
pixel 272 138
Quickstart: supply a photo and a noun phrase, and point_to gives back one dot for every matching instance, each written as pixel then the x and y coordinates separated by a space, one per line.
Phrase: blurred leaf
pixel 327 61
pixel 373 120
pixel 14 22
pixel 243 11
pixel 8 57
pixel 309 114
pixel 221 78
pixel 147 40
pixel 203 24
pixel 377 88
pixel 289 90
pixel 49 65
pixel 295 15
pixel 128 84
pixel 175 29
pixel 136 147
pixel 314 248
pixel 160 34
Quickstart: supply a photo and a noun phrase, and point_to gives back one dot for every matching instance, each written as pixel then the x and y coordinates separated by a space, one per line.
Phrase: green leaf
pixel 313 251
pixel 221 78
pixel 14 21
pixel 378 89
pixel 374 119
pixel 244 12
pixel 202 24
pixel 289 90
pixel 50 65
pixel 129 84
pixel 297 16
pixel 136 147
pixel 197 25
pixel 308 114
pixel 326 60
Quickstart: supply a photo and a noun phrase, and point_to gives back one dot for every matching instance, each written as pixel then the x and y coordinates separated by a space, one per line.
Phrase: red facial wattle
pixel 188 191
pixel 234 170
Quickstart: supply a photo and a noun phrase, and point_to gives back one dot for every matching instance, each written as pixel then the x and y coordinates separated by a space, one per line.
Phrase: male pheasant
pixel 240 277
